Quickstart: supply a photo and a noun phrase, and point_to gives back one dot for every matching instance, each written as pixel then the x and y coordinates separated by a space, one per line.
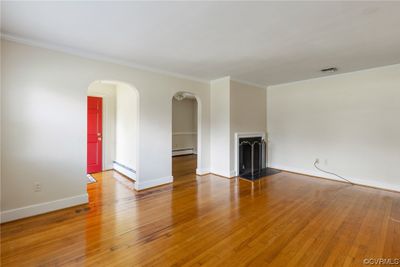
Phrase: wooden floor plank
pixel 281 220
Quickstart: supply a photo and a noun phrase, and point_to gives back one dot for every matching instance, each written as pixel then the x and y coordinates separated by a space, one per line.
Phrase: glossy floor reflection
pixel 283 220
pixel 183 166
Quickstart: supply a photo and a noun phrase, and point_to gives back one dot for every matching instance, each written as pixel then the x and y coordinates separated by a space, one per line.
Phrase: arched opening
pixel 186 134
pixel 112 129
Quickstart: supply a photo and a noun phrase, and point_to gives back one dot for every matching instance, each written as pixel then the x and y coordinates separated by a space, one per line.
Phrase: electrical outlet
pixel 37 187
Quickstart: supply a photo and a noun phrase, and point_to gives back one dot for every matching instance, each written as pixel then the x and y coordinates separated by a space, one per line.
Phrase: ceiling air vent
pixel 333 69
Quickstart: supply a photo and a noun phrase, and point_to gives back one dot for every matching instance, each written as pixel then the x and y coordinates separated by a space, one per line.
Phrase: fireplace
pixel 251 156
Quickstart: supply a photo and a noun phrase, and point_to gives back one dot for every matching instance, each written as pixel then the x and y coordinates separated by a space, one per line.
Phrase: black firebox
pixel 252 158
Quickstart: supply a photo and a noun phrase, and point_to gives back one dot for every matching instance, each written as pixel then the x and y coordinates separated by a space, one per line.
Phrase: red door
pixel 94 134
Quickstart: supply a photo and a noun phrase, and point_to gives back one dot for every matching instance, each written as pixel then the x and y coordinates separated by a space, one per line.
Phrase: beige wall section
pixel 248 112
pixel 126 125
pixel 220 126
pixel 44 94
pixel 108 93
pixel 349 121
pixel 235 107
pixel 184 124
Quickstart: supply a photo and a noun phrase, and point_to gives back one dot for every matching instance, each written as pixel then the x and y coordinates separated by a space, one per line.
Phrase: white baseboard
pixel 36 209
pixel 124 170
pixel 139 185
pixel 354 180
pixel 227 174
pixel 220 173
pixel 200 171
pixel 186 151
pixel 108 167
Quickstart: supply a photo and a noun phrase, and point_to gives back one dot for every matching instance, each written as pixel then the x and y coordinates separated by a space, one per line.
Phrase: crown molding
pixel 332 75
pixel 103 58
pixel 239 81
pixel 95 56
pixel 221 79
pixel 264 86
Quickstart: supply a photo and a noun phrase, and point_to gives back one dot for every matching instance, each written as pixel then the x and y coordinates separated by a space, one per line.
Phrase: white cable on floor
pixel 318 168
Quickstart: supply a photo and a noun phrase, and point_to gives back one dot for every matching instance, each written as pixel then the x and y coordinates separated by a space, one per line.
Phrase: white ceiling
pixel 258 42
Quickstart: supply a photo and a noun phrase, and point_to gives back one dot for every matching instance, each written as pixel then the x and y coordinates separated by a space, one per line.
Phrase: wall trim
pixel 250 83
pixel 183 151
pixel 222 176
pixel 45 207
pixel 355 181
pixel 221 79
pixel 125 170
pixel 184 133
pixel 330 76
pixel 229 174
pixel 96 56
pixel 153 183
pixel 206 171
pixel 200 171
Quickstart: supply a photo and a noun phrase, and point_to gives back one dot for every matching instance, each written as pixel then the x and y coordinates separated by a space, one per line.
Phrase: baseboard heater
pixel 183 151
pixel 125 170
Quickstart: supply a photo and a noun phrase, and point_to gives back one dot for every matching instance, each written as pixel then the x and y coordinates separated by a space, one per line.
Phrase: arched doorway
pixel 113 135
pixel 186 134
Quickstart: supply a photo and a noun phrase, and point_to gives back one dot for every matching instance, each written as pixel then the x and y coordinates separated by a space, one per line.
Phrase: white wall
pixel 126 126
pixel 351 122
pixel 44 124
pixel 108 93
pixel 220 127
pixel 184 124
pixel 248 113
pixel 235 107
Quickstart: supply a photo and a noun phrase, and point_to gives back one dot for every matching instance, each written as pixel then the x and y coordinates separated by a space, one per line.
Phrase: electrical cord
pixel 315 165
pixel 318 168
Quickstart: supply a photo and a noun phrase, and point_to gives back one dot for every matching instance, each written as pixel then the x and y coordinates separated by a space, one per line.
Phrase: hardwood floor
pixel 282 220
pixel 183 165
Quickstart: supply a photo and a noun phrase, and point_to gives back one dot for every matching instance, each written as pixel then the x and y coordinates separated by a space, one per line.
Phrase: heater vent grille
pixel 333 69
